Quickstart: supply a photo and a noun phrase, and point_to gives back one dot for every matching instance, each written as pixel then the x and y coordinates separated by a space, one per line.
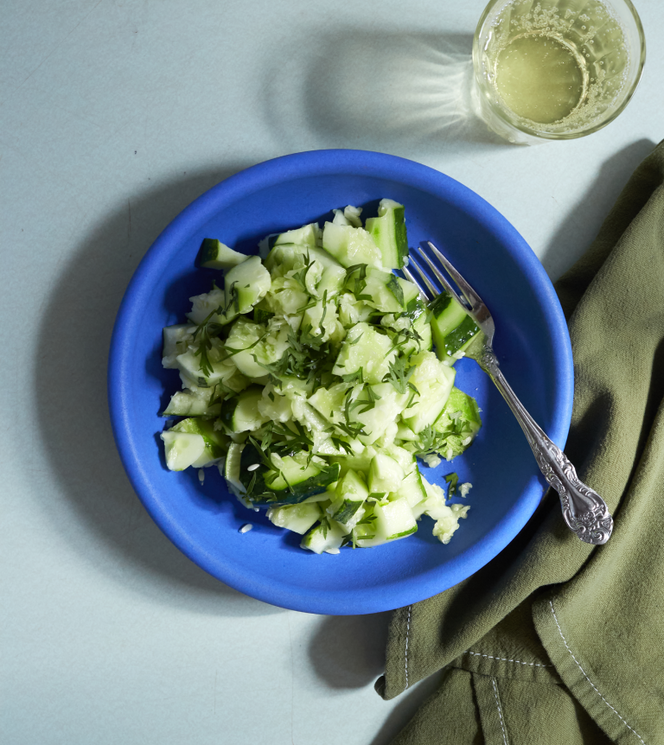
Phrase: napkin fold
pixel 556 641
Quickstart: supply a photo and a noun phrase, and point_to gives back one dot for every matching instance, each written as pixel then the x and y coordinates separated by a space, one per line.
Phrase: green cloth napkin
pixel 556 641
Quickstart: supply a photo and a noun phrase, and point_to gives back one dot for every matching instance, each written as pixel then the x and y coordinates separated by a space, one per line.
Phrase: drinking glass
pixel 555 69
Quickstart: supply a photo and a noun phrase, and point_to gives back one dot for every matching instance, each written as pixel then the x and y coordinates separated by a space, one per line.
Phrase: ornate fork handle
pixel 584 511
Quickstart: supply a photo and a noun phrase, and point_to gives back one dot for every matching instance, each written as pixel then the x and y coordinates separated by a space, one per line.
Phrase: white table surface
pixel 114 115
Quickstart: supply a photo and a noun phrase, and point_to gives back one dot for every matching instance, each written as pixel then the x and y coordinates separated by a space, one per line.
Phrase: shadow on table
pixel 581 225
pixel 348 652
pixel 105 521
pixel 409 702
pixel 377 90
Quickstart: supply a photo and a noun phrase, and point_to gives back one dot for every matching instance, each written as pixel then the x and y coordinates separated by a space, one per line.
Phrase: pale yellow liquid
pixel 556 65
pixel 540 78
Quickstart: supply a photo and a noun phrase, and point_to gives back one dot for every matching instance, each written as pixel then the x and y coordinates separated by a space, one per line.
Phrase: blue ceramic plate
pixel 531 341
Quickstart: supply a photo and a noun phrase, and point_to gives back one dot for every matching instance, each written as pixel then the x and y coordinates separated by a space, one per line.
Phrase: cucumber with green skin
pixel 379 288
pixel 183 449
pixel 298 518
pixel 231 471
pixel 452 328
pixel 350 245
pixel 245 284
pixel 241 413
pixel 307 235
pixel 214 254
pixel 215 441
pixel 384 472
pixel 413 326
pixel 392 520
pixel 327 536
pixel 458 423
pixel 182 444
pixel 293 483
pixel 389 233
pixel 188 403
pixel 350 495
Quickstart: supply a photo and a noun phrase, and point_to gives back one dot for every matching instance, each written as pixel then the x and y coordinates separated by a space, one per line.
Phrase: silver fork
pixel 584 511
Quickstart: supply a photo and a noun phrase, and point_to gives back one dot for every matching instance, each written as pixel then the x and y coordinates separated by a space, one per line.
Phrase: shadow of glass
pixel 379 90
pixel 103 518
pixel 582 224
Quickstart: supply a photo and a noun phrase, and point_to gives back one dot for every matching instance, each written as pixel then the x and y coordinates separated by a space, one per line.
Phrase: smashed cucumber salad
pixel 314 377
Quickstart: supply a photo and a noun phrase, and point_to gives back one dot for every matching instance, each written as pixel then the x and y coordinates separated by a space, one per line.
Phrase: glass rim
pixel 512 120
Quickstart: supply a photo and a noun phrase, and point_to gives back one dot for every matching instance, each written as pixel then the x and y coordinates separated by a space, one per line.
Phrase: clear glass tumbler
pixel 555 69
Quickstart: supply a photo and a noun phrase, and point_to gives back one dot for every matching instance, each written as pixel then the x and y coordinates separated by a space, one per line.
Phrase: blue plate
pixel 531 341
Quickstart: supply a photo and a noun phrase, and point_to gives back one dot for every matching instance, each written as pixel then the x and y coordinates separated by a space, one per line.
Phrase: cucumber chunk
pixel 241 343
pixel 245 284
pixel 327 536
pixel 452 328
pixel 296 517
pixel 391 521
pixel 206 304
pixel 347 506
pixel 182 449
pixel 287 256
pixel 221 370
pixel 411 295
pixel 367 350
pixel 350 245
pixel 287 480
pixel 412 490
pixel 380 289
pixel 458 423
pixel 329 402
pixel 385 474
pixel 308 235
pixel 379 421
pixel 189 403
pixel 231 471
pixel 434 381
pixel 274 406
pixel 242 413
pixel 389 233
pixel 412 330
pixel 176 340
pixel 395 519
pixel 215 442
pixel 214 254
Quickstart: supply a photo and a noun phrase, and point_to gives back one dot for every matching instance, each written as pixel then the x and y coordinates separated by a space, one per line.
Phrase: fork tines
pixel 416 258
pixel 421 281
pixel 469 298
